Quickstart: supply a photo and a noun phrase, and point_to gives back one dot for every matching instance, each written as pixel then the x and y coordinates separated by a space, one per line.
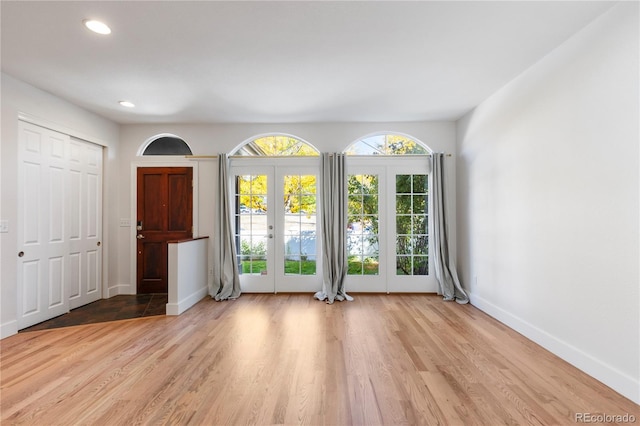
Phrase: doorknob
pixel 270 235
pixel 140 236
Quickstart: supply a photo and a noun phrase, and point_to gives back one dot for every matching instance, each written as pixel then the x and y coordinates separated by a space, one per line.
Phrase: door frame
pixel 165 161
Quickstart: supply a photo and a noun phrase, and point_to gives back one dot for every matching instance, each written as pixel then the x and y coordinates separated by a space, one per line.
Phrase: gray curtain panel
pixel 227 279
pixel 334 228
pixel 445 266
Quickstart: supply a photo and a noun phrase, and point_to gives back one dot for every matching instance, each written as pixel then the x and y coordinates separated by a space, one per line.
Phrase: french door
pixel 277 225
pixel 389 226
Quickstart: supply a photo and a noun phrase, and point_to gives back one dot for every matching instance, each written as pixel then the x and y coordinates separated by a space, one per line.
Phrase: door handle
pixel 270 235
pixel 139 236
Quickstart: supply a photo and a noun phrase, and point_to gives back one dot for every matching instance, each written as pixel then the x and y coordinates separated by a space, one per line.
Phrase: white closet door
pixel 42 241
pixel 85 223
pixel 60 229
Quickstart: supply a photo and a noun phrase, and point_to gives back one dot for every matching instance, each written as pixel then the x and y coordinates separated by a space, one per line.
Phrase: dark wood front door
pixel 165 213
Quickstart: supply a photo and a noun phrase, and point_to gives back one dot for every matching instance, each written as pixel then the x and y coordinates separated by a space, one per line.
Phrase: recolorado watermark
pixel 604 418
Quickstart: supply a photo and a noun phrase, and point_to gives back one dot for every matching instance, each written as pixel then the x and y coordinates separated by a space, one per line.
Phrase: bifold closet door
pixel 59 223
pixel 85 223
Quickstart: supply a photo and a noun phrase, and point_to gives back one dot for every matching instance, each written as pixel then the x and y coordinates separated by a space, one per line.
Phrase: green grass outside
pixel 358 267
pixel 308 267
pixel 305 267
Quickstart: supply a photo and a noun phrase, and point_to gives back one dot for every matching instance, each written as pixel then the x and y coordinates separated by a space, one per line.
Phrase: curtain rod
pixel 306 156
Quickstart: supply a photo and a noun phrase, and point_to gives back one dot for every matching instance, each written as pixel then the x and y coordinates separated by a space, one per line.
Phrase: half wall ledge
pixel 187 273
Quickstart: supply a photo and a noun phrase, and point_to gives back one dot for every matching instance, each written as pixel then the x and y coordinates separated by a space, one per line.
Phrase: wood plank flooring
pixel 290 359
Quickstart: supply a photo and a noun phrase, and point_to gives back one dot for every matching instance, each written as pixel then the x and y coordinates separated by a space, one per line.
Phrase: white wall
pixel 547 201
pixel 188 283
pixel 212 139
pixel 19 98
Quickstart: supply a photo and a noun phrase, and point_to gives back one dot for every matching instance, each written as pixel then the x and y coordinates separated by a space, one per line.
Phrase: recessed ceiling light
pixel 97 26
pixel 127 104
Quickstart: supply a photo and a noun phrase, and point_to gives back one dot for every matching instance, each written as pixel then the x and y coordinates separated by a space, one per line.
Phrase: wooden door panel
pixel 153 272
pixel 179 196
pixel 152 213
pixel 165 213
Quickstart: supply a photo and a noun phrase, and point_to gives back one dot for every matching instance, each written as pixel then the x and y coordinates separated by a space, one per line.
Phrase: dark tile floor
pixel 112 309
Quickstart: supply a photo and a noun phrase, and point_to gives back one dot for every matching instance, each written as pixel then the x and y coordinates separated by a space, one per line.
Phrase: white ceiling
pixel 268 61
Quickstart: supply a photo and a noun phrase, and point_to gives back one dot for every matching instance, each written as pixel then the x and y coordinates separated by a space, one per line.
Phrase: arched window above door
pixel 166 145
pixel 276 145
pixel 387 144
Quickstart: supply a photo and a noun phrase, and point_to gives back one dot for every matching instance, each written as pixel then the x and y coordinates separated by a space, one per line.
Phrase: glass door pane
pixel 297 244
pixel 254 228
pixel 366 240
pixel 251 235
pixel 299 231
pixel 363 249
pixel 412 239
pixel 409 228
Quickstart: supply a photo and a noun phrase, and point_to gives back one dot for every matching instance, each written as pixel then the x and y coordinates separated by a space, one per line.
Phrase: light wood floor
pixel 289 359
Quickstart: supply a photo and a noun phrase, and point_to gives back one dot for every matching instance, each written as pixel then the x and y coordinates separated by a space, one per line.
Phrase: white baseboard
pixel 8 329
pixel 187 302
pixel 610 376
pixel 119 289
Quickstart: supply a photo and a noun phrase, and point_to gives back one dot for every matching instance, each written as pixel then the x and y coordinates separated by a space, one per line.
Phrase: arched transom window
pixel 166 145
pixel 276 146
pixel 387 144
